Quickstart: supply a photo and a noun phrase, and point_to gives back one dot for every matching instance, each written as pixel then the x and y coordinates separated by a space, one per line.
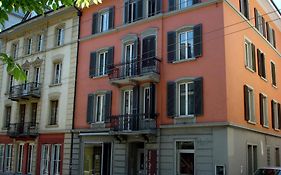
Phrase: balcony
pixel 23 130
pixel 133 124
pixel 135 71
pixel 25 91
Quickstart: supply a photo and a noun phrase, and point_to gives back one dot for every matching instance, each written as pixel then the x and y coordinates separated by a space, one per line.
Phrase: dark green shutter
pixel 136 100
pixel 171 46
pixel 259 62
pixel 261 110
pixel 172 5
pixel 198 96
pixel 90 109
pixel 171 99
pixel 110 60
pixel 111 18
pixel 152 100
pixel 267 31
pixel 246 103
pixel 273 74
pixel 263 27
pixel 95 23
pixel 197 40
pixel 272 114
pixel 279 116
pixel 93 60
pixel 107 106
pixel 273 37
pixel 254 57
pixel 126 12
pixel 256 18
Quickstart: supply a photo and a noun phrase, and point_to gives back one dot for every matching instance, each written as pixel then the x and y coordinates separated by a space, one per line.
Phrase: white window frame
pixel 276 112
pixel 186 42
pixel 37 72
pixel 2 156
pixel 104 21
pixel 259 21
pixel 102 64
pixel 130 101
pixel 45 159
pixel 128 66
pixel 8 157
pixel 187 93
pixel 56 159
pixel 20 157
pixel 100 118
pixel 15 49
pixel 30 158
pixel 40 42
pixel 60 36
pixel 265 110
pixel 29 42
pixel 131 7
pixel 248 55
pixel 57 75
pixel 252 149
pixel 251 100
pixel 177 154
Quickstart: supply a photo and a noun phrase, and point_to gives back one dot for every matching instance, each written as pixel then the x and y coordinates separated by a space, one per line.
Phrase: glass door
pixel 127 109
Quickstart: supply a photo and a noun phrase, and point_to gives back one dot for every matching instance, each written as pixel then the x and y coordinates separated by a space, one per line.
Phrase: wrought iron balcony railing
pixel 25 91
pixel 133 122
pixel 138 70
pixel 23 129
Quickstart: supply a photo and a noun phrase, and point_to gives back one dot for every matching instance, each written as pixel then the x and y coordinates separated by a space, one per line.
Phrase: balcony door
pixel 25 85
pixel 130 56
pixel 127 109
pixel 21 118
pixel 148 52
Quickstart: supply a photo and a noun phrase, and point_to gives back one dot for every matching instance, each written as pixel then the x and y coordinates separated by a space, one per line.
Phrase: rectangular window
pixel 36 76
pixel 33 114
pixel 275 114
pixel 56 159
pixel 54 112
pixel 97 158
pixel 263 110
pixel 153 7
pixel 60 36
pixel 45 158
pixel 1 157
pixel 102 63
pixel 185 151
pixel 244 8
pixel 186 98
pixel 15 50
pixel 40 41
pixel 273 74
pixel 146 100
pixel 30 158
pixel 99 108
pixel 28 46
pixel 250 59
pixel 186 50
pixel 128 102
pixel 185 3
pixel 57 73
pixel 129 57
pixel 277 157
pixel 252 159
pixel 104 21
pixel 8 157
pixel 249 104
pixel 11 83
pixel 132 12
pixel 260 22
pixel 20 158
pixel 261 64
pixel 8 110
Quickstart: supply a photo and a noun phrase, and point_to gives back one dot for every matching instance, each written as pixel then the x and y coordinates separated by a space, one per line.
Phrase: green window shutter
pixel 90 109
pixel 171 99
pixel 198 96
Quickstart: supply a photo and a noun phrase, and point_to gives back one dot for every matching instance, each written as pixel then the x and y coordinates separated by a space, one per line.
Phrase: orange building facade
pixel 178 87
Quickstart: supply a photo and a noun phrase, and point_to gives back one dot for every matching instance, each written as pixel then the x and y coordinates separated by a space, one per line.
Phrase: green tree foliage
pixel 38 6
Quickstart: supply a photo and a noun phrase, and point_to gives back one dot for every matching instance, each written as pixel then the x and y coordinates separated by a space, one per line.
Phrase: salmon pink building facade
pixel 178 87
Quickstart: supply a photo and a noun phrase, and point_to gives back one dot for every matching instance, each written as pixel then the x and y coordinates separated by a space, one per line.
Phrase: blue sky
pixel 278 3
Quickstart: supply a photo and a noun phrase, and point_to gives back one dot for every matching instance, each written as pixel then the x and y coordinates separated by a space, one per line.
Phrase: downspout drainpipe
pixel 79 14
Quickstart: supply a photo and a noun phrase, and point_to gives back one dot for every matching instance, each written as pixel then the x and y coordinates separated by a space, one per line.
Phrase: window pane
pixel 93 159
pixel 183 46
pixel 186 163
pixel 182 91
pixel 191 104
pixel 190 44
pixel 1 157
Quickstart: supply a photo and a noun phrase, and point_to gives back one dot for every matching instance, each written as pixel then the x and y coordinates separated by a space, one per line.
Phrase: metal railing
pixel 23 129
pixel 134 68
pixel 133 122
pixel 25 90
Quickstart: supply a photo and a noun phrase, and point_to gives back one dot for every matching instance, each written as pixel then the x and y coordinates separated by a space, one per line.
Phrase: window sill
pixel 100 76
pixel 4 128
pixel 52 126
pixel 185 60
pixel 184 116
pixel 250 69
pixel 274 86
pixel 252 122
pixel 54 85
pixel 264 79
pixel 265 126
pixel 276 129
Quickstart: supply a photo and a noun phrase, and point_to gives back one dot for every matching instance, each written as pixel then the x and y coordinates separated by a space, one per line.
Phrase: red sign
pixel 151 162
